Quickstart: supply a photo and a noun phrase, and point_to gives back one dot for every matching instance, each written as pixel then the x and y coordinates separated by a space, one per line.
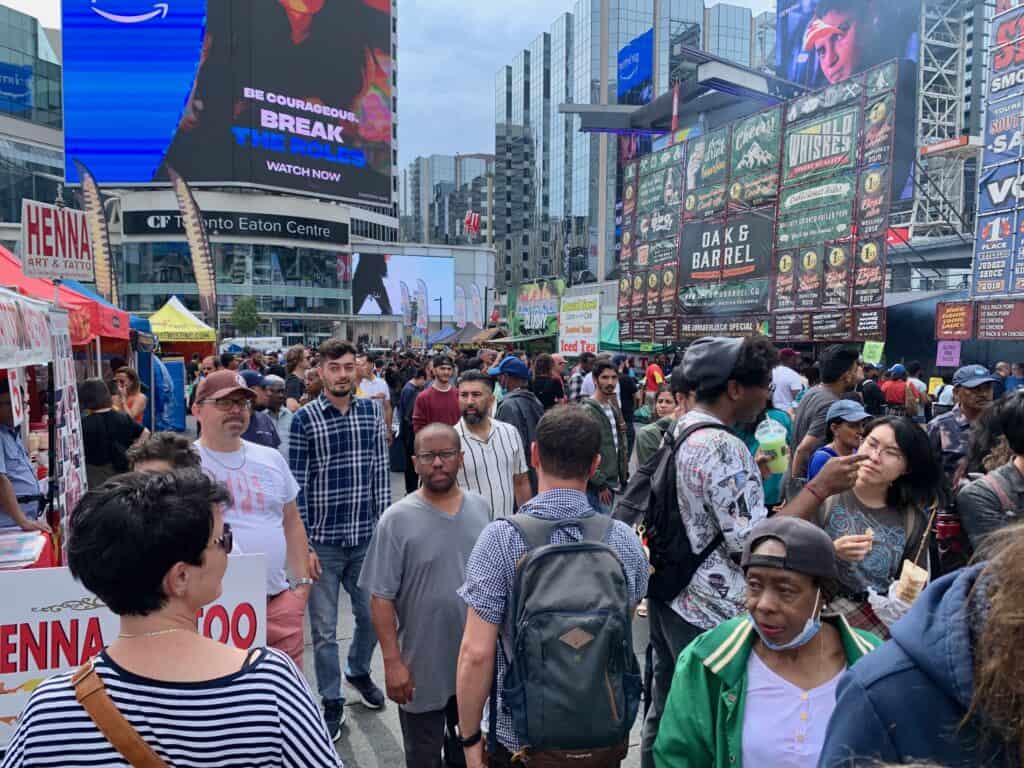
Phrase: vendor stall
pixel 180 332
pixel 96 328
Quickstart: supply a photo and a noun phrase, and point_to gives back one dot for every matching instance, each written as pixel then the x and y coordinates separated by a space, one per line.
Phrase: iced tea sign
pixel 55 242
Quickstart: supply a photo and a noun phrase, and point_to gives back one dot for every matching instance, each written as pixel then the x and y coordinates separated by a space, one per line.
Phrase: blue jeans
pixel 340 568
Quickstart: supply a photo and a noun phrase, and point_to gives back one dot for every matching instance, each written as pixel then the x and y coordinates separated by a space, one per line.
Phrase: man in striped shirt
pixel 494 461
pixel 339 457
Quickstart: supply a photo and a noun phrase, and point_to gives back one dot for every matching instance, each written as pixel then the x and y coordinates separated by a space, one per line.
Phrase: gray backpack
pixel 573 681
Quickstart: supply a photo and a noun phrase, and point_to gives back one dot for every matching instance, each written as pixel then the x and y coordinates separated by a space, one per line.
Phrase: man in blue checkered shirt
pixel 563 468
pixel 339 456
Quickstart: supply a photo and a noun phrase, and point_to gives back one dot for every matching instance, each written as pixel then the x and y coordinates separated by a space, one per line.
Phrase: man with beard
pixel 494 460
pixel 339 456
pixel 612 472
pixel 519 407
pixel 278 411
pixel 414 566
pixel 263 514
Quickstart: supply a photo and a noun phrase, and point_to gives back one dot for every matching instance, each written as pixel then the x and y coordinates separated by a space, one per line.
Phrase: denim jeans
pixel 340 567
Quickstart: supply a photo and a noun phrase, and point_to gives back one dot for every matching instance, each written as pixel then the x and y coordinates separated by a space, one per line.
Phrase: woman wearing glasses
pixel 153 547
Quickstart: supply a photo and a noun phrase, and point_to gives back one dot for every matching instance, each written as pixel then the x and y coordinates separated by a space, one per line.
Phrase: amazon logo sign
pixel 157 11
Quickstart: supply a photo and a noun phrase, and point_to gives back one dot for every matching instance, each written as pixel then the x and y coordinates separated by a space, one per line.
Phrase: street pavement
pixel 373 739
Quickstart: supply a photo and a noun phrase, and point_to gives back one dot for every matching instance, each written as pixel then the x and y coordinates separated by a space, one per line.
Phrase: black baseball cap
pixel 809 550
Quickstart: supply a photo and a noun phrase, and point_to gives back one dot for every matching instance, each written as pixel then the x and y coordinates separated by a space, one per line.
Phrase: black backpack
pixel 651 497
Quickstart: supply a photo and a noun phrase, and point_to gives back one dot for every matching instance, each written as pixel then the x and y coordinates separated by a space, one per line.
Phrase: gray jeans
pixel 669 636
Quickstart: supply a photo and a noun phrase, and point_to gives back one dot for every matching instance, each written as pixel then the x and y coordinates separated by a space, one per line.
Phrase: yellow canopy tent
pixel 181 332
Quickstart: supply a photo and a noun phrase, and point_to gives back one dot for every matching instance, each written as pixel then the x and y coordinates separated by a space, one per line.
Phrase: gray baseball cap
pixel 972 376
pixel 848 410
pixel 709 361
pixel 809 550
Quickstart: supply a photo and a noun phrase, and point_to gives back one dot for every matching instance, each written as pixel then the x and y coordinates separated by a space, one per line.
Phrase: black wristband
pixel 471 741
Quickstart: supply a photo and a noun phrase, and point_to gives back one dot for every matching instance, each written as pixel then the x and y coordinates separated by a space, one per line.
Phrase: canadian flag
pixel 472 223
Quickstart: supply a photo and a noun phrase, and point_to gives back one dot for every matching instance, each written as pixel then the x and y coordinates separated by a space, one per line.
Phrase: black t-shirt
pixel 548 390
pixel 106 436
pixel 294 387
pixel 627 395
pixel 874 399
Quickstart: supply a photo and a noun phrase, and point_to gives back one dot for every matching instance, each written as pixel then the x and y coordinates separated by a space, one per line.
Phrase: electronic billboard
pixel 824 42
pixel 292 96
pixel 383 284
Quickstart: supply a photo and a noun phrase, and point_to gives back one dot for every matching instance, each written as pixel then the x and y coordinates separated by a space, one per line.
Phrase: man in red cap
pixel 837 35
pixel 263 513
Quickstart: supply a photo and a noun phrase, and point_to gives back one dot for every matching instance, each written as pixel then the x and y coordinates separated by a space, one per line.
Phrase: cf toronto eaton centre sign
pixel 255 225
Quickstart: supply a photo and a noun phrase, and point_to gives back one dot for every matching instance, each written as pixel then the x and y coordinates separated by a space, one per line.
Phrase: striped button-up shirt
pixel 340 461
pixel 489 465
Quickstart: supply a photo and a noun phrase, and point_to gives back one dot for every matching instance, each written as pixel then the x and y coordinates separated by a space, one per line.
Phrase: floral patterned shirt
pixel 720 489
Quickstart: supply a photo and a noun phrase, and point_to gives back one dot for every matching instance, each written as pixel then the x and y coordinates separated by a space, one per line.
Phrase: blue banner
pixel 15 88
pixel 1003 122
pixel 636 63
pixel 1000 189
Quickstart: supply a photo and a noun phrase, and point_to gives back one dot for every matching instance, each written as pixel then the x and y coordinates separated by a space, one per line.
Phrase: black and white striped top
pixel 262 715
pixel 489 466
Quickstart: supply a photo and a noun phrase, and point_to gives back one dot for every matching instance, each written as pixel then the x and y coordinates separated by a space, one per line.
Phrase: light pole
pixel 440 313
pixel 487 292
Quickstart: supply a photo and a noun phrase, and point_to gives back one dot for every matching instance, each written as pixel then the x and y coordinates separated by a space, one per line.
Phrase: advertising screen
pixel 231 91
pixel 823 42
pixel 636 68
pixel 381 283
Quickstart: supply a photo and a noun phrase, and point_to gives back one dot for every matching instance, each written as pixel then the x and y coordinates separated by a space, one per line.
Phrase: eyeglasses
pixel 226 540
pixel 428 457
pixel 226 406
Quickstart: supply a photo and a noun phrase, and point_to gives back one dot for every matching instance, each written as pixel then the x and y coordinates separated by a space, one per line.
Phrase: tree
pixel 245 317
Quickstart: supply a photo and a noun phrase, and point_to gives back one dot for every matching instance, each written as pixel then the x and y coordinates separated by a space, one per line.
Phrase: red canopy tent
pixel 89 320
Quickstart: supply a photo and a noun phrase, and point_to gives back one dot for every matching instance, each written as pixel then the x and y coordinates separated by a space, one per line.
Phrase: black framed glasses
pixel 226 540
pixel 428 457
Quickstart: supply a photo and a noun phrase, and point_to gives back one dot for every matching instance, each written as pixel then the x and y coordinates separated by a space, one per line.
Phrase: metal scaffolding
pixel 938 203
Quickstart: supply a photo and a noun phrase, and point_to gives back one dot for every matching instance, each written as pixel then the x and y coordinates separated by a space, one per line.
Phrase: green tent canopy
pixel 610 342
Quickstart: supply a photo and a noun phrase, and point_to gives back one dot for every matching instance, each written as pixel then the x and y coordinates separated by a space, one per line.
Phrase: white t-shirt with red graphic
pixel 260 484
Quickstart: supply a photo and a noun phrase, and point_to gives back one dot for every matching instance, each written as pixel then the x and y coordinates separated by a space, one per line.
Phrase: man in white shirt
pixel 494 461
pixel 263 515
pixel 786 382
pixel 373 387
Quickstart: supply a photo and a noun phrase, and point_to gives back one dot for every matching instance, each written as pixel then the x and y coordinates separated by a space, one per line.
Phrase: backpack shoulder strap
pixel 993 484
pixel 537 532
pixel 697 428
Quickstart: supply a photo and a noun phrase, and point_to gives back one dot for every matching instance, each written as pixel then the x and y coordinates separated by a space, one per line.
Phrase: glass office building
pixel 728 32
pixel 31 116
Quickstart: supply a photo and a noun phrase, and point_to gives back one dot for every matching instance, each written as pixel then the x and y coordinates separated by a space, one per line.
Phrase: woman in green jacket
pixel 759 690
pixel 648 438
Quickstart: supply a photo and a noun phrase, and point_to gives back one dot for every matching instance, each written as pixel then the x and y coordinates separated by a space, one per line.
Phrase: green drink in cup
pixel 771 439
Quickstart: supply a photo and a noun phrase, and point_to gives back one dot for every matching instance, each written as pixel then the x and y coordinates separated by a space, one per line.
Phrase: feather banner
pixel 199 244
pixel 99 235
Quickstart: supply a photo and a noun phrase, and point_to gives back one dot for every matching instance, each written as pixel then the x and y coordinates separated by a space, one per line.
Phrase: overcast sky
pixel 448 54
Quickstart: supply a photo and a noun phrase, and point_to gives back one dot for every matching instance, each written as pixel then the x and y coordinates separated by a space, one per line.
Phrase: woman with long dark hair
pixel 107 434
pixel 884 519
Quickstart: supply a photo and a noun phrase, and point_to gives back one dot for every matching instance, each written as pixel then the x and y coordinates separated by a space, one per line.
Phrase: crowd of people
pixel 826 556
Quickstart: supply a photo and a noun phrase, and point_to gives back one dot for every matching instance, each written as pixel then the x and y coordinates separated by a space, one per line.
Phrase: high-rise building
pixel 31 116
pixel 727 32
pixel 555 187
pixel 762 41
pixel 435 188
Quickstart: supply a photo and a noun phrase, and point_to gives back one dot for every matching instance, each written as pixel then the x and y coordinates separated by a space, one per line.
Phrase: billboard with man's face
pixel 284 94
pixel 823 42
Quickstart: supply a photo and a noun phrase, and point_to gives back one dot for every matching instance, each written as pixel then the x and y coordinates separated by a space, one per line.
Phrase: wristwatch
pixel 471 741
pixel 299 583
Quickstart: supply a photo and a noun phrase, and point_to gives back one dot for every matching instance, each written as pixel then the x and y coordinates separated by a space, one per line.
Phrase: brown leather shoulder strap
pixel 93 696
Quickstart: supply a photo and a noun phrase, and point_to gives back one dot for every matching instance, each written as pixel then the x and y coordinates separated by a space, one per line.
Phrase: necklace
pixel 155 633
pixel 209 452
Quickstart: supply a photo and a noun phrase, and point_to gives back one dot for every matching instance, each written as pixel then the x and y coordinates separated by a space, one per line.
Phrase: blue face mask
pixel 808 633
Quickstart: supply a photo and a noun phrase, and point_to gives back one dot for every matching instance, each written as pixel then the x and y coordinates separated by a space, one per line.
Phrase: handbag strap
pixel 93 696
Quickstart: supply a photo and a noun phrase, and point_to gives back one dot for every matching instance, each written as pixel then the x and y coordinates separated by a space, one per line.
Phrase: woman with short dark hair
pixel 154 548
pixel 548 387
pixel 163 452
pixel 106 434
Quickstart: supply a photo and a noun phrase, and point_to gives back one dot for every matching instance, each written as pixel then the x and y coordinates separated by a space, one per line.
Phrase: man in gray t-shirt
pixel 415 564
